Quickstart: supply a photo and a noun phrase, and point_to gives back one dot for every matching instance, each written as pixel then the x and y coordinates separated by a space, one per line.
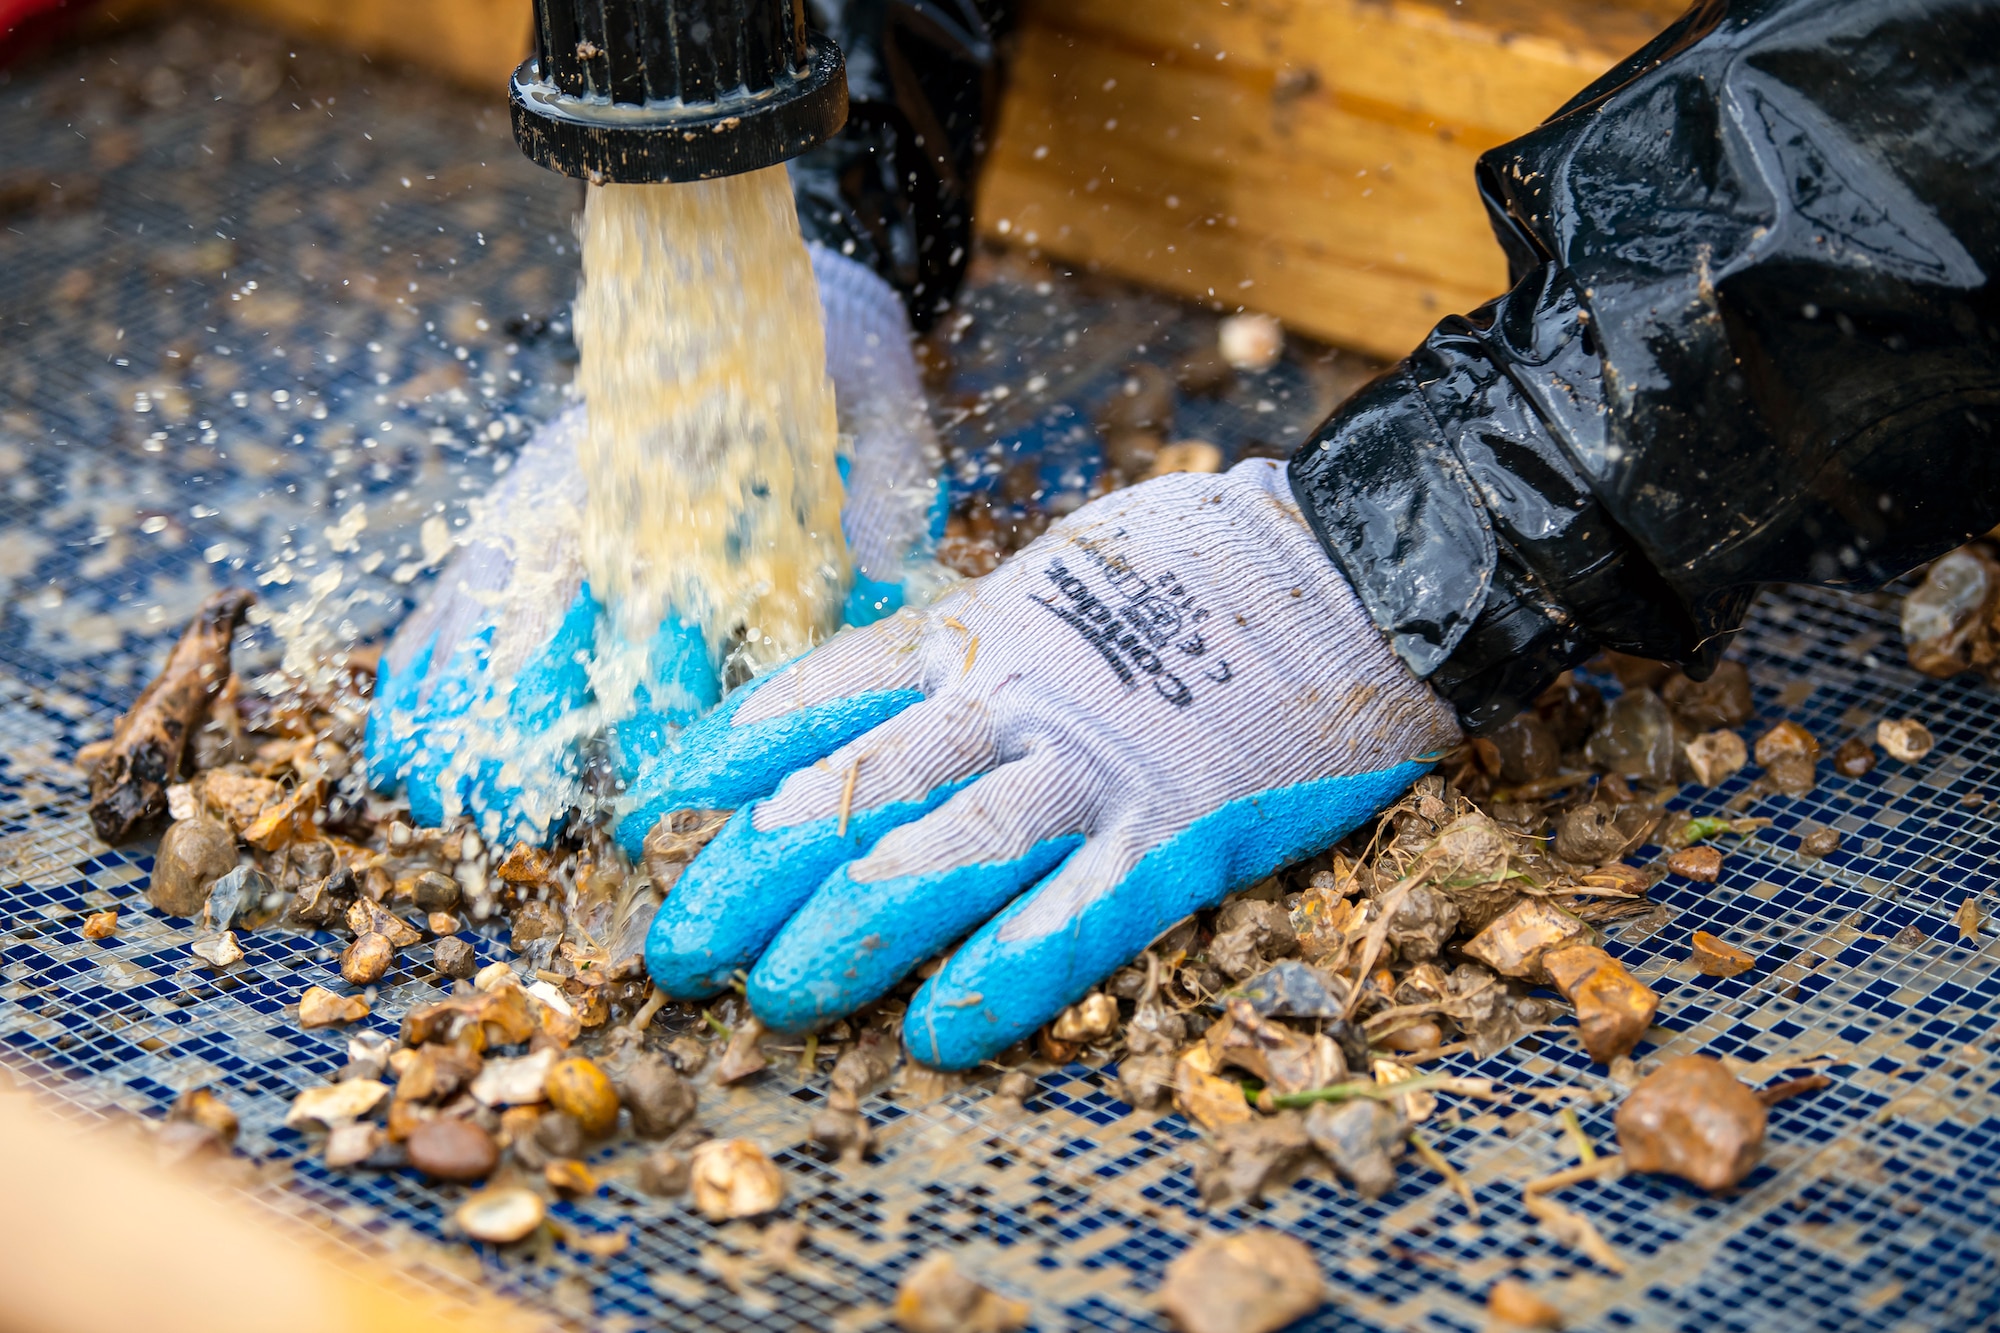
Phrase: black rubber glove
pixel 1753 337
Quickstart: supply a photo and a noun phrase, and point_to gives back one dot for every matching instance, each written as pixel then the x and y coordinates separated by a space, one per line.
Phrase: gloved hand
pixel 488 690
pixel 1166 697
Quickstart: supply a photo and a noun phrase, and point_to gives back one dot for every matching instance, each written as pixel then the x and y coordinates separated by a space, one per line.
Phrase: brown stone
pixel 1690 1118
pixel 569 1177
pixel 934 1297
pixel 1514 943
pixel 1820 842
pixel 1786 740
pixel 101 925
pixel 1253 1281
pixel 193 854
pixel 1702 863
pixel 367 960
pixel 366 915
pixel 322 1008
pixel 200 1106
pixel 447 1148
pixel 455 958
pixel 1716 958
pixel 1613 1008
pixel 663 1174
pixel 1854 757
pixel 526 865
pixel 659 1099
pixel 436 892
pixel 436 1073
pixel 533 921
pixel 1513 1302
pixel 1723 700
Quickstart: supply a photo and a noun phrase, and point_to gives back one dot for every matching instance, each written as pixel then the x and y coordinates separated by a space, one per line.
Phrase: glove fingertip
pixel 853 941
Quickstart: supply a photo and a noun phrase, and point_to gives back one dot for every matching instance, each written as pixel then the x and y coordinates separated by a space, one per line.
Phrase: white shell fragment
pixel 218 951
pixel 1905 738
pixel 513 1082
pixel 335 1103
pixel 500 1216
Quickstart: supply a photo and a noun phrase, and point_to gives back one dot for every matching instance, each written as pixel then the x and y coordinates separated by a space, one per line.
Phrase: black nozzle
pixel 636 91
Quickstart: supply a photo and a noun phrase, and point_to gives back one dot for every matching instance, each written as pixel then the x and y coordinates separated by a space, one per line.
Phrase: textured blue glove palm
pixel 487 694
pixel 1168 696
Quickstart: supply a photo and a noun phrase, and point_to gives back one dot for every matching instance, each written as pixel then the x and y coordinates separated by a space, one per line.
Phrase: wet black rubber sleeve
pixel 894 189
pixel 1753 337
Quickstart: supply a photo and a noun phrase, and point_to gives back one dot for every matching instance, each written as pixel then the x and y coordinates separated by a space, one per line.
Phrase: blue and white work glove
pixel 1168 696
pixel 484 696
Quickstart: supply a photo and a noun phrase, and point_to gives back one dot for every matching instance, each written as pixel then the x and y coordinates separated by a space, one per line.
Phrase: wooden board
pixel 474 42
pixel 1309 158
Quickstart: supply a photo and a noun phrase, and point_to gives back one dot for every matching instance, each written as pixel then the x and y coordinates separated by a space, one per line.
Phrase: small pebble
pixel 352 1144
pixel 1512 1301
pixel 448 1148
pixel 193 854
pixel 435 892
pixel 688 1054
pixel 367 960
pixel 101 925
pixel 663 1174
pixel 330 1104
pixel 733 1178
pixel 202 1107
pixel 569 1177
pixel 1185 456
pixel 1905 739
pixel 559 1135
pixel 1090 1019
pixel 454 957
pixel 1716 958
pixel 442 924
pixel 321 1008
pixel 659 1099
pixel 1613 1008
pixel 1854 757
pixel 935 1297
pixel 500 1216
pixel 1698 863
pixel 1820 842
pixel 514 1081
pixel 218 951
pixel 1691 1118
pixel 1716 757
pixel 1253 1281
pixel 581 1088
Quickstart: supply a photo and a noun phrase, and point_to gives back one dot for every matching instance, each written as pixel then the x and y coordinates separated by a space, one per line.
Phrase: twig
pixel 1378 932
pixel 1368 1088
pixel 1435 1160
pixel 1569 1227
pixel 809 1058
pixel 644 1015
pixel 1585 1149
